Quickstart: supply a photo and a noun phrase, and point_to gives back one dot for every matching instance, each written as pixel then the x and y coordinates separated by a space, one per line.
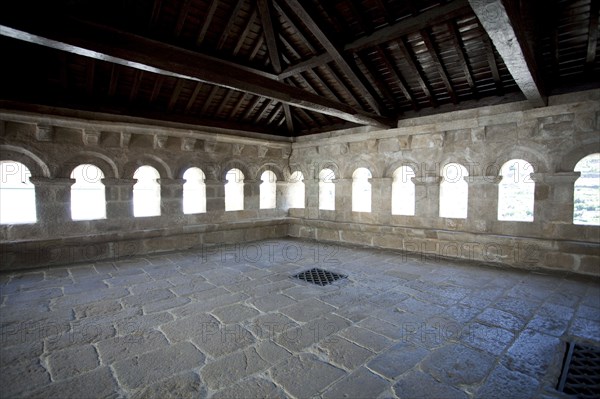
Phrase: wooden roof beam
pixel 462 56
pixel 232 17
pixel 183 12
pixel 592 37
pixel 269 32
pixel 412 61
pixel 111 45
pixel 337 56
pixel 433 53
pixel 206 24
pixel 501 28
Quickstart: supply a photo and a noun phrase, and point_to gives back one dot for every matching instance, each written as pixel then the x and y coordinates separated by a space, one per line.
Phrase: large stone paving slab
pixel 178 325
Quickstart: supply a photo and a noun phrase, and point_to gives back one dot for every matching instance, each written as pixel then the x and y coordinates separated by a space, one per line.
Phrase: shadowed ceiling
pixel 292 67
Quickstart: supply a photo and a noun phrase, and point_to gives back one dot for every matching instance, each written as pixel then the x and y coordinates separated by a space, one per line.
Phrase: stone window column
pixel 215 195
pixel 554 197
pixel 427 196
pixel 252 194
pixel 381 198
pixel 119 197
pixel 483 200
pixel 343 198
pixel 53 201
pixel 281 196
pixel 171 197
pixel 311 200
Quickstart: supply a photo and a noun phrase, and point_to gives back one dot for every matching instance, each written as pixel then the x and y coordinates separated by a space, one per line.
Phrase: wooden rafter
pixel 193 97
pixel 462 56
pixel 245 32
pixel 397 75
pixel 592 44
pixel 90 74
pixel 230 23
pixel 261 112
pixel 346 68
pixel 175 94
pixel 155 12
pixel 288 118
pixel 510 43
pixel 206 24
pixel 491 58
pixel 297 32
pixel 238 105
pixel 114 79
pixel 183 12
pixel 224 101
pixel 269 32
pixel 112 45
pixel 250 108
pixel 160 79
pixel 135 87
pixel 413 63
pixel 433 53
pixel 209 100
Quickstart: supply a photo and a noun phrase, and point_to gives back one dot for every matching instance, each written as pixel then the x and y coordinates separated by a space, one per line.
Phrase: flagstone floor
pixel 230 322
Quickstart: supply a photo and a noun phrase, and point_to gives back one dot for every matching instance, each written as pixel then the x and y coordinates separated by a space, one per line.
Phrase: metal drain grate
pixel 581 371
pixel 319 276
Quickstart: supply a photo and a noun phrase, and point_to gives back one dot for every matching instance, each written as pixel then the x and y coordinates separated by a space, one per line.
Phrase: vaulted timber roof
pixel 291 67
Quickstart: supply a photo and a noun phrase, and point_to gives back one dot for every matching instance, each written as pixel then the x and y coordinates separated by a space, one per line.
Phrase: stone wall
pixel 51 147
pixel 553 139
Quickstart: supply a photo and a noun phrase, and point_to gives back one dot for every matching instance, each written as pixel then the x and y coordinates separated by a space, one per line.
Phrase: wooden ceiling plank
pixel 251 107
pixel 397 75
pixel 274 113
pixel 385 11
pixel 433 53
pixel 112 45
pixel 156 89
pixel 135 87
pixel 491 58
pixel 288 118
pixel 430 17
pixel 244 34
pixel 114 79
pixel 269 32
pixel 462 56
pixel 238 105
pixel 412 61
pixel 193 97
pixel 499 25
pixel 257 46
pixel 155 13
pixel 312 26
pixel 206 24
pixel 592 43
pixel 183 13
pixel 175 95
pixel 297 32
pixel 227 30
pixel 224 101
pixel 260 114
pixel 90 74
pixel 209 100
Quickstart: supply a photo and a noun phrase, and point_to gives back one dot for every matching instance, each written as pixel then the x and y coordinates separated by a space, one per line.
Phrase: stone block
pixel 430 140
pixel 130 345
pixel 416 384
pixel 184 386
pixel 501 133
pixel 360 384
pixel 388 145
pixel 143 370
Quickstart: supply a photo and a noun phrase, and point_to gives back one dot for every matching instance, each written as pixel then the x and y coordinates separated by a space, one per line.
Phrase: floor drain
pixel 581 371
pixel 319 276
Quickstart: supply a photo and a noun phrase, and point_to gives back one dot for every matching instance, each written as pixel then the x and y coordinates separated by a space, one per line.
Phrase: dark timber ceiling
pixel 292 67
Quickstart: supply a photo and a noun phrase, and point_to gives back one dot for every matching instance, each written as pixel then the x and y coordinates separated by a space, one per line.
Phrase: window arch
pixel 146 192
pixel 194 191
pixel 326 190
pixel 403 191
pixel 454 192
pixel 17 194
pixel 88 200
pixel 296 190
pixel 234 190
pixel 361 190
pixel 268 190
pixel 586 208
pixel 516 191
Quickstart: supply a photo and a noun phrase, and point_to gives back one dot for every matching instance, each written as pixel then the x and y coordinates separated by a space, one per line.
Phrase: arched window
pixel 234 190
pixel 296 190
pixel 17 194
pixel 403 191
pixel 361 190
pixel 454 192
pixel 268 190
pixel 516 191
pixel 146 192
pixel 326 190
pixel 587 191
pixel 194 191
pixel 88 201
